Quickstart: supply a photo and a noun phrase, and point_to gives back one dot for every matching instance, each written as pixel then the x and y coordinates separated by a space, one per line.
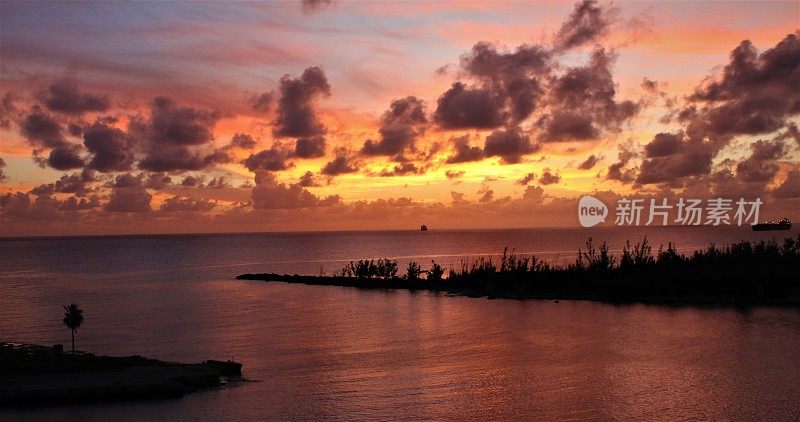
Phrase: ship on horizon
pixel 783 224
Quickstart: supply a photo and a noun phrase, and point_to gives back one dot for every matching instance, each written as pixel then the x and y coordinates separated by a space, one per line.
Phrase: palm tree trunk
pixel 73 342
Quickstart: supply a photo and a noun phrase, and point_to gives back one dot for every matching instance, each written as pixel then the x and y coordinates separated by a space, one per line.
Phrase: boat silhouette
pixel 783 224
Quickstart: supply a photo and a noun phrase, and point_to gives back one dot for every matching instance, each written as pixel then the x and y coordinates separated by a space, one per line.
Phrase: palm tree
pixel 73 318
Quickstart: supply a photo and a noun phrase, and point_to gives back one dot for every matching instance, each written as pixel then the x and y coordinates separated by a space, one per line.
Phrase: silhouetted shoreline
pixel 743 273
pixel 32 375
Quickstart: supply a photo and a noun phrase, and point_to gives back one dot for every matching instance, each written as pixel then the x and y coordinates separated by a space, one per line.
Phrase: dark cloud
pixel 242 141
pixel 790 188
pixel 177 138
pixel 689 158
pixel 584 104
pixel 533 194
pixel 41 129
pixel 516 75
pixel 618 170
pixel 74 204
pixel 263 102
pixel 754 95
pixel 751 170
pixel 158 181
pixel 268 194
pixel 402 169
pixel 187 204
pixel 508 87
pixel 565 125
pixel 76 183
pixel 313 147
pixel 219 156
pixel 172 124
pixel 654 91
pixel 170 158
pixel 191 181
pixel 509 144
pixel 526 179
pixel 219 182
pixel 112 149
pixel 650 86
pixel 66 157
pixel 274 159
pixel 76 128
pixel 296 114
pixel 458 198
pixel 761 165
pixel 128 194
pixel 454 174
pixel 589 163
pixel 676 157
pixel 20 206
pixel 549 178
pixel 308 179
pixel 768 150
pixel 36 157
pixel 486 62
pixel 9 112
pixel 461 107
pixel 427 156
pixel 45 189
pixel 722 183
pixel 586 24
pixel 791 132
pixel 64 97
pixel 2 172
pixel 487 196
pixel 13 206
pixel 342 163
pixel 443 70
pixel 126 180
pixel 664 144
pixel 523 95
pixel 463 152
pixel 400 126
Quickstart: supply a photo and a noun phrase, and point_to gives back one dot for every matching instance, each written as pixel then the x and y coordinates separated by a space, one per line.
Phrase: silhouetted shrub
pixel 638 256
pixel 436 272
pixel 670 256
pixel 595 259
pixel 369 268
pixel 413 271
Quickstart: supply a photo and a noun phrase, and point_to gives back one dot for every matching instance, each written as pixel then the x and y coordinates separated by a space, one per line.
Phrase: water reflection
pixel 327 352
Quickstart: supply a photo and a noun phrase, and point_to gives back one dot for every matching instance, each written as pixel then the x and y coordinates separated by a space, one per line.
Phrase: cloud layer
pixel 501 126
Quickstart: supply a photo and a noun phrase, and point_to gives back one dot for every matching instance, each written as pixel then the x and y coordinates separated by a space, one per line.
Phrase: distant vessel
pixel 784 224
pixel 423 228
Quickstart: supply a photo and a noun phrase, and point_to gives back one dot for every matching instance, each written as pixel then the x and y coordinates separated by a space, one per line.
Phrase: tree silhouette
pixel 73 318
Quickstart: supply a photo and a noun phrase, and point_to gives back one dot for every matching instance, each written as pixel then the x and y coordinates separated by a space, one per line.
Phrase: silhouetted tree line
pixel 370 268
pixel 740 272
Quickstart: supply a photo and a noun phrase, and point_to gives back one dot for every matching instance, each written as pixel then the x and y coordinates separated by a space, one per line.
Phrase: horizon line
pixel 281 232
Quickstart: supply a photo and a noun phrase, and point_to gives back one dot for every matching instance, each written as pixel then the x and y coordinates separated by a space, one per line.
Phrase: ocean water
pixel 318 352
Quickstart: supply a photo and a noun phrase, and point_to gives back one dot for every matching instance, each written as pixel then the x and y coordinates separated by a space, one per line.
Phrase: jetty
pixel 740 274
pixel 33 375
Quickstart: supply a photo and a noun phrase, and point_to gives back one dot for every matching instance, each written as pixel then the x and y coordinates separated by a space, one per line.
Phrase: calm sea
pixel 315 352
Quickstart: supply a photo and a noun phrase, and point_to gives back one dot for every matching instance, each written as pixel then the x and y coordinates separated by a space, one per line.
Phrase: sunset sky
pixel 126 117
